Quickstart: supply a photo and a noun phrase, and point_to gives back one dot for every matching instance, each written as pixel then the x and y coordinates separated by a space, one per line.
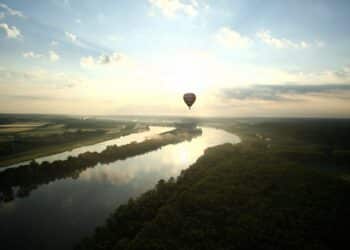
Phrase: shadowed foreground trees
pixel 234 197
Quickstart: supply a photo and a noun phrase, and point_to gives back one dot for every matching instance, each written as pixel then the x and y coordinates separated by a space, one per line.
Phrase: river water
pixel 56 215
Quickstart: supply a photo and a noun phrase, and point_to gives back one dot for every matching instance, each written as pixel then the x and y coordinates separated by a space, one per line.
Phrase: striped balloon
pixel 189 99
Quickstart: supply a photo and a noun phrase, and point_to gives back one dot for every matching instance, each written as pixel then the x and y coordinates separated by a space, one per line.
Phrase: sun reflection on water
pixel 160 164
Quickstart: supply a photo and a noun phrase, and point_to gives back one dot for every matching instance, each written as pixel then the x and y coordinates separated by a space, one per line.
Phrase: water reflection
pixel 19 182
pixel 169 161
pixel 59 213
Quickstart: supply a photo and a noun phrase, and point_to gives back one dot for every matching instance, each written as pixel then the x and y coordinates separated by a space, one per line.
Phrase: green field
pixel 28 137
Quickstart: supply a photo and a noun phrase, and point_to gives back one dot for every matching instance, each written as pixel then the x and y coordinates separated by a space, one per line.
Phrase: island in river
pixel 25 178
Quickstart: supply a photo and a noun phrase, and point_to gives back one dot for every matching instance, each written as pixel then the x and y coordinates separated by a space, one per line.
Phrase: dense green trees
pixel 248 196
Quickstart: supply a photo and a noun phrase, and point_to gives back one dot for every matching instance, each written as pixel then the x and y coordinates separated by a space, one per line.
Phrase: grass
pixel 19 127
pixel 44 137
pixel 23 124
pixel 6 130
pixel 55 149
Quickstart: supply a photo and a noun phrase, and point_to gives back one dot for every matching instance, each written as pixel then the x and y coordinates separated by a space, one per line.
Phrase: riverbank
pixel 259 194
pixel 28 177
pixel 55 148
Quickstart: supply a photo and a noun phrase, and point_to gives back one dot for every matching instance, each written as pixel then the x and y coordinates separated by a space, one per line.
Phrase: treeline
pixel 24 143
pixel 50 136
pixel 234 197
pixel 333 133
pixel 19 182
pixel 69 121
pixel 308 141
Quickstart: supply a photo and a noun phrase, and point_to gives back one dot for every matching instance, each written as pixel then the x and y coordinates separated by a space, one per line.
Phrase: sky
pixel 242 58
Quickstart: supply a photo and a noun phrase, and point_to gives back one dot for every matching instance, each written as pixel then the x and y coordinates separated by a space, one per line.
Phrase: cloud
pixel 53 56
pixel 36 80
pixel 108 59
pixel 114 58
pixel 40 90
pixel 66 3
pixel 63 4
pixel 2 15
pixel 75 40
pixel 343 73
pixel 320 44
pixel 31 54
pixel 285 92
pixel 71 37
pixel 283 43
pixel 232 39
pixel 30 97
pixel 53 43
pixel 11 32
pixel 10 11
pixel 87 62
pixel 170 8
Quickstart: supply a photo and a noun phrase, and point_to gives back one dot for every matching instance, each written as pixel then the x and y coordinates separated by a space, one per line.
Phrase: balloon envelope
pixel 189 99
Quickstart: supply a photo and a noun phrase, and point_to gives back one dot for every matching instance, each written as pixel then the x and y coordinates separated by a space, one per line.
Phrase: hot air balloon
pixel 189 99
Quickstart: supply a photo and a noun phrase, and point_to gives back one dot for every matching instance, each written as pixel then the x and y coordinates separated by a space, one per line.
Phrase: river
pixel 56 215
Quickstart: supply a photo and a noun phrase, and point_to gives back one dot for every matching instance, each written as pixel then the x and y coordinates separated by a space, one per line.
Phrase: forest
pixel 285 186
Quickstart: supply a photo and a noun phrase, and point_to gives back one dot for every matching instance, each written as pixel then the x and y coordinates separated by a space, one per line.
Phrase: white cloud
pixel 170 8
pixel 53 56
pixel 31 54
pixel 283 43
pixel 54 43
pixel 66 3
pixel 110 59
pixel 114 38
pixel 87 62
pixel 160 80
pixel 320 44
pixel 73 38
pixel 195 3
pixel 63 3
pixel 2 15
pixel 10 11
pixel 11 32
pixel 77 20
pixel 113 59
pixel 232 39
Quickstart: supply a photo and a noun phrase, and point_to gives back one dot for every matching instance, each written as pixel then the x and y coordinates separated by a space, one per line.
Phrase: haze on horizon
pixel 241 58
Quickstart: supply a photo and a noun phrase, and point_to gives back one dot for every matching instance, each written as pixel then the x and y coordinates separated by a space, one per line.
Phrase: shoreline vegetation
pixel 19 182
pixel 53 136
pixel 56 149
pixel 267 192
